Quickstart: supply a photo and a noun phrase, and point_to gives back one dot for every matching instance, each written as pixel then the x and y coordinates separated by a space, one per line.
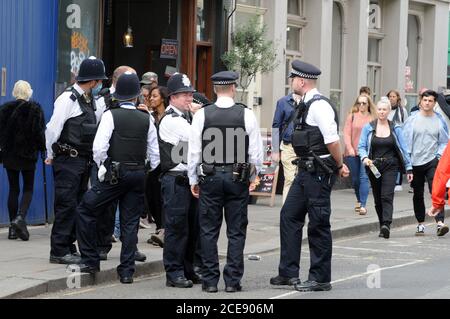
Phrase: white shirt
pixel 173 130
pixel 64 109
pixel 105 131
pixel 321 114
pixel 255 149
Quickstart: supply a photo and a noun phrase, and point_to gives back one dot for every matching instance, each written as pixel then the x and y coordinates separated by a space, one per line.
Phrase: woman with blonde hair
pixel 383 151
pixel 361 113
pixel 22 136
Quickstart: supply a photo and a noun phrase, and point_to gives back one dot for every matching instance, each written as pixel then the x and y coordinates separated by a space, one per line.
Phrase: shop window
pixel 336 57
pixel 374 67
pixel 203 20
pixel 412 63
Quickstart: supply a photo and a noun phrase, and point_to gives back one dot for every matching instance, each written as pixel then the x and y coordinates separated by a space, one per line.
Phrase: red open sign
pixel 169 49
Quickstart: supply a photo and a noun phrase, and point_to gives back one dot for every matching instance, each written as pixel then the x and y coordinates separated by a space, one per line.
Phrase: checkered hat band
pixel 304 75
pixel 224 82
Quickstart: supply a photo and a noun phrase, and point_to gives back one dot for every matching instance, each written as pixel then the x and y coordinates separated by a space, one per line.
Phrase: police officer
pixel 180 207
pixel 126 138
pixel 225 142
pixel 70 134
pixel 316 142
pixel 106 221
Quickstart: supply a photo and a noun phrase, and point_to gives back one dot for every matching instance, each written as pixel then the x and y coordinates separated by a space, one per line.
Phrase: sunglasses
pixel 362 103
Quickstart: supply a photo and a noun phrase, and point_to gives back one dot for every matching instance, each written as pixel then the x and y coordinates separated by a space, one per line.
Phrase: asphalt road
pixel 404 266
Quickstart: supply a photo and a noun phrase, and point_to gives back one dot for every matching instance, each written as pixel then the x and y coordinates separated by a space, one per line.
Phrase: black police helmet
pixel 127 87
pixel 179 83
pixel 91 69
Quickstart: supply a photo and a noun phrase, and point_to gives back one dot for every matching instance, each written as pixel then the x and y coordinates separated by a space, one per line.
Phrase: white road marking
pixel 356 276
pixel 374 250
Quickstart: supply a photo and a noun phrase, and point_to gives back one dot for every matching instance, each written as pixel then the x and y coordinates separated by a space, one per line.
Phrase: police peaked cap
pixel 225 78
pixel 179 83
pixel 304 70
pixel 201 99
pixel 127 87
pixel 91 69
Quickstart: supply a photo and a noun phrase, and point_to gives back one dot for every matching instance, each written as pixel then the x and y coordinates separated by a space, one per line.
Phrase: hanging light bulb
pixel 128 38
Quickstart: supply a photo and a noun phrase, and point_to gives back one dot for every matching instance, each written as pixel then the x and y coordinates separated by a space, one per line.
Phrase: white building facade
pixel 383 44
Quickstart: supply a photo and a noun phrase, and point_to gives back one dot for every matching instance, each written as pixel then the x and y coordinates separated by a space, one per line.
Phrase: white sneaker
pixel 398 188
pixel 420 230
pixel 143 223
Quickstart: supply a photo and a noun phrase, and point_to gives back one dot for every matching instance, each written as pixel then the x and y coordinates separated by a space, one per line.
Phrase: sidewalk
pixel 25 270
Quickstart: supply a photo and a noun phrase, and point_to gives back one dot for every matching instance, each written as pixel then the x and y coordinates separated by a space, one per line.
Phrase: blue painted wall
pixel 28 48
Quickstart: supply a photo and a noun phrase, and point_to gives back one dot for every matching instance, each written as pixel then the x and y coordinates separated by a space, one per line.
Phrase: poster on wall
pixel 78 37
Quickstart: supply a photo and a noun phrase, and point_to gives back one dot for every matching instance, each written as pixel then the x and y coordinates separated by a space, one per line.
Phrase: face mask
pixel 96 90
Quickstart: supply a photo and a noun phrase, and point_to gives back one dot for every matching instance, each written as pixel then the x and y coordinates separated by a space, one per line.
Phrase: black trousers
pixel 130 194
pixel 106 220
pixel 383 190
pixel 181 228
pixel 153 197
pixel 219 193
pixel 71 176
pixel 423 173
pixel 14 192
pixel 309 194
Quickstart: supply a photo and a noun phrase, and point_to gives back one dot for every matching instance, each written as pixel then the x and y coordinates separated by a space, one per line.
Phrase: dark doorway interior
pixel 151 21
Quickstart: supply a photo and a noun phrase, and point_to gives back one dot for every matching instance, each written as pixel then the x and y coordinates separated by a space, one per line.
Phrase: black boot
pixel 12 233
pixel 20 226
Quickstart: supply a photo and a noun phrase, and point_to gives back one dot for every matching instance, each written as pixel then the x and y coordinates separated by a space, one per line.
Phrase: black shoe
pixel 76 254
pixel 20 226
pixel 68 259
pixel 138 256
pixel 312 286
pixel 196 279
pixel 86 269
pixel 210 289
pixel 385 231
pixel 12 233
pixel 179 282
pixel 283 281
pixel 103 255
pixel 126 280
pixel 232 289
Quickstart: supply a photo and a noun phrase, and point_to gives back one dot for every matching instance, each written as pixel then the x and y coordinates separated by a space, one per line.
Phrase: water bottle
pixel 375 171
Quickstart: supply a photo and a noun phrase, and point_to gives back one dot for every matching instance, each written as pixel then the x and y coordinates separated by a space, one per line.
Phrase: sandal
pixel 357 207
pixel 362 211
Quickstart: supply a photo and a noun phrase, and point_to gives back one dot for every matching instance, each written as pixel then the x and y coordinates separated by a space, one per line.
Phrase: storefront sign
pixel 169 49
pixel 78 36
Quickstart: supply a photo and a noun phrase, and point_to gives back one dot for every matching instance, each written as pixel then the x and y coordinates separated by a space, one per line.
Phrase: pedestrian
pixel 150 78
pixel 316 143
pixel 383 146
pixel 158 103
pixel 361 113
pixel 282 129
pixel 426 136
pixel 22 136
pixel 417 107
pixel 125 141
pixel 69 137
pixel 365 90
pixel 221 178
pixel 398 115
pixel 440 185
pixel 179 206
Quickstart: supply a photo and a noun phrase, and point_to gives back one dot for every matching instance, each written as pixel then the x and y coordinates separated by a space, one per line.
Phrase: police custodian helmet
pixel 179 83
pixel 91 69
pixel 127 87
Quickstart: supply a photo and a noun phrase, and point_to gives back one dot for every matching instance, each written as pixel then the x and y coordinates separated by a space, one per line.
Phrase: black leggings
pixel 14 192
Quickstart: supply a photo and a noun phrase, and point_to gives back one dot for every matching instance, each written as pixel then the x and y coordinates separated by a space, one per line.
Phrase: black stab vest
pixel 128 142
pixel 79 132
pixel 224 139
pixel 307 138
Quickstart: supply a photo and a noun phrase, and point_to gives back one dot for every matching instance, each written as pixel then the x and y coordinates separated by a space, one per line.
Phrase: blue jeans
pixel 360 181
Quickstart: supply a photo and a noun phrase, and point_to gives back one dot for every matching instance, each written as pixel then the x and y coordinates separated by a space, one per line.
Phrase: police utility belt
pixel 241 171
pixel 315 164
pixel 68 150
pixel 115 170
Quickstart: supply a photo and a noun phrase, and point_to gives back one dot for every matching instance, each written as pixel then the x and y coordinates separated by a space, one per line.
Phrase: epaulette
pixel 207 104
pixel 172 112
